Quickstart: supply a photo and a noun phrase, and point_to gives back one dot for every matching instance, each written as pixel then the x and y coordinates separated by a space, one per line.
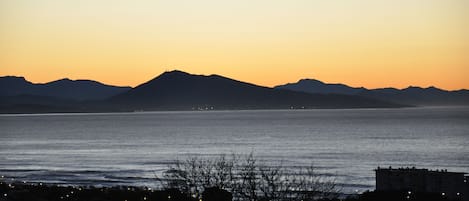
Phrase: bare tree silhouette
pixel 248 179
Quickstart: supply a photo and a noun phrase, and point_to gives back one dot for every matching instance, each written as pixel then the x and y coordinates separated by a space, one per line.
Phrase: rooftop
pixel 413 169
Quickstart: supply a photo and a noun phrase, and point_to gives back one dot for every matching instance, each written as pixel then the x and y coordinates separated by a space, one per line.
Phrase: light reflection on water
pixel 129 148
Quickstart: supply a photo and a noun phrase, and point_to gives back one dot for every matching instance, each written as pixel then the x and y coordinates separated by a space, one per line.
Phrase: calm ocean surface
pixel 130 148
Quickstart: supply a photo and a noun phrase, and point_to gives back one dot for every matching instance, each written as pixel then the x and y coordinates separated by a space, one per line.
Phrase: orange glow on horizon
pixel 370 43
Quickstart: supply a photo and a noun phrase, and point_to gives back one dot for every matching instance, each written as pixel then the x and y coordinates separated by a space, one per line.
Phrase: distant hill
pixel 182 91
pixel 411 95
pixel 316 86
pixel 75 90
pixel 174 90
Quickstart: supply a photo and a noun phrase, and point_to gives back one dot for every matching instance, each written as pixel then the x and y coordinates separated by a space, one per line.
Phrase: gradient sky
pixel 371 43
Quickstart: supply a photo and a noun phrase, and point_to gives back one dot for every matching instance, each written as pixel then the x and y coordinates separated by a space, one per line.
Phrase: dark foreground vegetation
pixel 36 192
pixel 247 178
pixel 232 178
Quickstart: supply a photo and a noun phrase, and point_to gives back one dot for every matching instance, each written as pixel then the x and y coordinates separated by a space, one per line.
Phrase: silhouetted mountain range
pixel 316 86
pixel 76 90
pixel 175 90
pixel 182 91
pixel 411 95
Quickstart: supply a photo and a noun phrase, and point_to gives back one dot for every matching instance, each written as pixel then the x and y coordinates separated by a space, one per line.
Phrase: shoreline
pixel 49 192
pixel 223 110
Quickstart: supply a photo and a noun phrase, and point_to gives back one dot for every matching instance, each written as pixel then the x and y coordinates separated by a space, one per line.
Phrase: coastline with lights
pixel 12 189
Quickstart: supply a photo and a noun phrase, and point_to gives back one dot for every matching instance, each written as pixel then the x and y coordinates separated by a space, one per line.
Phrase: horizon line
pixel 294 82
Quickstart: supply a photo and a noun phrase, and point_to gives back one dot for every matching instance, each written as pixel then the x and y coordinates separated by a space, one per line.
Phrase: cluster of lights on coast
pixel 11 185
pixel 71 193
pixel 203 108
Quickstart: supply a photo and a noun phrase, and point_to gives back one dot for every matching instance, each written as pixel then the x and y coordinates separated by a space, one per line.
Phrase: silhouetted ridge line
pixel 411 95
pixel 181 90
pixel 172 90
pixel 75 90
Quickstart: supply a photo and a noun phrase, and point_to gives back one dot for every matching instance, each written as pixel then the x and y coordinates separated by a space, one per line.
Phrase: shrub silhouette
pixel 248 179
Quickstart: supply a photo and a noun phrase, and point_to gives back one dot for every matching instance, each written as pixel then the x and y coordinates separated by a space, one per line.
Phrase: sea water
pixel 106 149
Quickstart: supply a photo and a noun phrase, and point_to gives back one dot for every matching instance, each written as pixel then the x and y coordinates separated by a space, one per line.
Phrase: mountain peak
pixel 62 80
pixel 11 77
pixel 182 73
pixel 174 73
pixel 65 88
pixel 315 86
pixel 310 81
pixel 180 90
pixel 413 87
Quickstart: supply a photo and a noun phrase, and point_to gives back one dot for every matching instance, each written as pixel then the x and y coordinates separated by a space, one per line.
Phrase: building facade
pixel 452 185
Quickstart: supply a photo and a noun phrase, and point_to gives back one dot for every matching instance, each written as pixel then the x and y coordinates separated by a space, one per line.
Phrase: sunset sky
pixel 370 43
